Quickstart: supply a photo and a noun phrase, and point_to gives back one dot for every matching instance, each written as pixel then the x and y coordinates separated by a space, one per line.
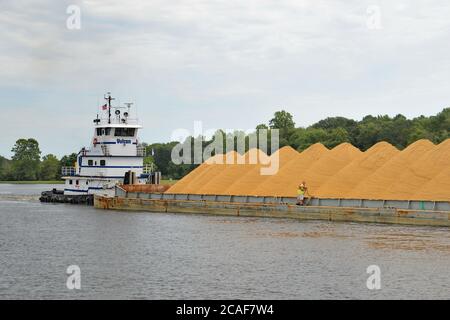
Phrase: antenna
pixel 128 104
pixel 109 99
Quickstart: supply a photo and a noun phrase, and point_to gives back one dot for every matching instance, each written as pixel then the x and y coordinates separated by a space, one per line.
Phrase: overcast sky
pixel 230 64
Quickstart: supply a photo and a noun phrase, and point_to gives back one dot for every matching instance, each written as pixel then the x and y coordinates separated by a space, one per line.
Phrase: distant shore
pixel 62 182
pixel 33 182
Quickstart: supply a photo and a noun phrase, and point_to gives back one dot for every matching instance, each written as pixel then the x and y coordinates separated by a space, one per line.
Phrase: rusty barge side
pixel 277 210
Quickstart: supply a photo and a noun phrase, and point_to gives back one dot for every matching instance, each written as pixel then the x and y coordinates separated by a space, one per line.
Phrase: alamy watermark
pixel 374 280
pixel 73 21
pixel 373 17
pixel 74 278
pixel 191 148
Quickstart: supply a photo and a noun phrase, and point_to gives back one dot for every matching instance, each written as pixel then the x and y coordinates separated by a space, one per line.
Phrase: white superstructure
pixel 114 151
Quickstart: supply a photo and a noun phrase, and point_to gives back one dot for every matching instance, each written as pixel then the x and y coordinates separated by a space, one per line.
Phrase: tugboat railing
pixel 148 168
pixel 68 171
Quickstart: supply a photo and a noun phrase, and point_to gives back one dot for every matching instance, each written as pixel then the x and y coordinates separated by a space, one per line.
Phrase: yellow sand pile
pixel 376 184
pixel 345 179
pixel 247 182
pixel 437 189
pixel 266 186
pixel 414 180
pixel 219 179
pixel 191 182
pixel 289 173
pixel 419 172
pixel 327 166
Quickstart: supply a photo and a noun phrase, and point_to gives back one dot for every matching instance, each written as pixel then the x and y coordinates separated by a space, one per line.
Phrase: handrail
pixel 68 171
pixel 148 168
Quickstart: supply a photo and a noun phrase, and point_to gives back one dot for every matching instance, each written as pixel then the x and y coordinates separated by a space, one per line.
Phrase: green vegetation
pixel 27 165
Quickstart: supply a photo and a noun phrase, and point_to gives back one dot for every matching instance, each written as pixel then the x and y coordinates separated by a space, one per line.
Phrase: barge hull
pixel 273 210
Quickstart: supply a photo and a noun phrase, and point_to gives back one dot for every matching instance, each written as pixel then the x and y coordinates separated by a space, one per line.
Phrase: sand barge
pixel 382 184
pixel 419 172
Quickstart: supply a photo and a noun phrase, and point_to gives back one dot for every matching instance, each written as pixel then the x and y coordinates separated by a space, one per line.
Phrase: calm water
pixel 168 256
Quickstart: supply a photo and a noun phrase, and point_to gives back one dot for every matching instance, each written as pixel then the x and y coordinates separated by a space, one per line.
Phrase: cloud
pixel 228 63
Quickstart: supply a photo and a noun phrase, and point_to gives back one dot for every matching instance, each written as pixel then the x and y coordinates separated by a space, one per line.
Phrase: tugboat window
pixel 90 162
pixel 124 132
pixel 70 182
pixel 77 182
pixel 102 162
pixel 103 131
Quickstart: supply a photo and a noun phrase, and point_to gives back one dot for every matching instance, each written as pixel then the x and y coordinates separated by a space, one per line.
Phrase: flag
pixel 104 107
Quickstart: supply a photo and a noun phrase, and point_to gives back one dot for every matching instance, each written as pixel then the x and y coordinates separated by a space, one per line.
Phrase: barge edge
pixel 341 214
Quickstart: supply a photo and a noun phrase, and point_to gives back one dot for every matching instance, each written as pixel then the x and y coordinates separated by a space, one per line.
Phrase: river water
pixel 126 255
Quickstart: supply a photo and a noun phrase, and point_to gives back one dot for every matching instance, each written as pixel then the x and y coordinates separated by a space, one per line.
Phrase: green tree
pixel 303 138
pixel 50 168
pixel 5 169
pixel 162 157
pixel 336 137
pixel 262 126
pixel 282 120
pixel 68 160
pixel 26 159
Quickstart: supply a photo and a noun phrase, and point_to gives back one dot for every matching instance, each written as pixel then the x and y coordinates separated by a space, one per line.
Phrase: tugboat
pixel 113 157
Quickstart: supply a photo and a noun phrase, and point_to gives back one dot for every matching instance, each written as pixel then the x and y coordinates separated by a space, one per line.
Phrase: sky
pixel 229 64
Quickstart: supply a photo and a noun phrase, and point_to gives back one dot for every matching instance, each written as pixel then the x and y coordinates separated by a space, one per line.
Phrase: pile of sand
pixel 344 180
pixel 375 185
pixel 211 173
pixel 285 182
pixel 191 180
pixel 419 172
pixel 326 167
pixel 437 189
pixel 221 179
pixel 245 184
pixel 265 184
pixel 416 180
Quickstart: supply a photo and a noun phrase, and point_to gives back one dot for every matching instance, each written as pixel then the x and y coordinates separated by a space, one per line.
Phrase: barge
pixel 424 213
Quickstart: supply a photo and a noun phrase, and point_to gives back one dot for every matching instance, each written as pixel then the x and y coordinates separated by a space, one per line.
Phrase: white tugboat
pixel 114 156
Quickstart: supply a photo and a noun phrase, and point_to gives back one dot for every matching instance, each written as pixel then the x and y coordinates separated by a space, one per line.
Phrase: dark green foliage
pixel 50 168
pixel 5 165
pixel 69 160
pixel 26 160
pixel 160 155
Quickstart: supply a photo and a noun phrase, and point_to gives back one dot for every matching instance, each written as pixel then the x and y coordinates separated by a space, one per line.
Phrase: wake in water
pixel 18 197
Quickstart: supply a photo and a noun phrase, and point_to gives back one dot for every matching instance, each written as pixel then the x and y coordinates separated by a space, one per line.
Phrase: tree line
pixel 27 163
